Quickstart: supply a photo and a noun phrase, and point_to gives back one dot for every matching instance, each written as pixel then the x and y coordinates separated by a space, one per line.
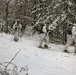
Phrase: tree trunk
pixel 6 17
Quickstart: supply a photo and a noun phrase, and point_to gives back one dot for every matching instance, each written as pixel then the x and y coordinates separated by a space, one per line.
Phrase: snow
pixel 39 61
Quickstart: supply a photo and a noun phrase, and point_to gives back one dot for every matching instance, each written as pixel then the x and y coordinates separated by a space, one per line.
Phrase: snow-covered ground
pixel 39 61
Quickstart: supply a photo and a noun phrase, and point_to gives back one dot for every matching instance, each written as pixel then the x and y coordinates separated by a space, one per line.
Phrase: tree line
pixel 30 12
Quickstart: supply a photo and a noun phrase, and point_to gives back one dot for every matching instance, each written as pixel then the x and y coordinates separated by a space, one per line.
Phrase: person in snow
pixel 17 30
pixel 44 35
pixel 71 37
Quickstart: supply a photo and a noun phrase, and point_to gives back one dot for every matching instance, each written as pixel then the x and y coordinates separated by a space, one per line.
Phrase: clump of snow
pixel 39 61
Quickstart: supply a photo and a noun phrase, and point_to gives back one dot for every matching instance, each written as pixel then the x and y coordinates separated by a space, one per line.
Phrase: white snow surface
pixel 39 61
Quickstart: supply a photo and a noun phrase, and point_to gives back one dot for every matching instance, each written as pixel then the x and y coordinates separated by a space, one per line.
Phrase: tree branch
pixel 12 59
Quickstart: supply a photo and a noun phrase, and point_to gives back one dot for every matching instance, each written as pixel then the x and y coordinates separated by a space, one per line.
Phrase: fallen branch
pixel 11 60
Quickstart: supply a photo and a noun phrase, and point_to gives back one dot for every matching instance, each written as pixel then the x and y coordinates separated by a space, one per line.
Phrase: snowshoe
pixel 45 46
pixel 40 47
pixel 16 39
pixel 66 51
pixel 75 52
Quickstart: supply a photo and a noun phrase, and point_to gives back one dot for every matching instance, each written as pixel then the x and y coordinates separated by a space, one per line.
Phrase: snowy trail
pixel 39 61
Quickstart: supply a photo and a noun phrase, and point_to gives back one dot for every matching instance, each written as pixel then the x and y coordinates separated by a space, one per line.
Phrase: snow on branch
pixel 38 9
pixel 71 12
pixel 69 3
pixel 38 5
pixel 27 17
pixel 57 5
pixel 48 17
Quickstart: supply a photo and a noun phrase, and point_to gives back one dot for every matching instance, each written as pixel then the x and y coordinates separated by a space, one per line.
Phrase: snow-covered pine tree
pixel 60 12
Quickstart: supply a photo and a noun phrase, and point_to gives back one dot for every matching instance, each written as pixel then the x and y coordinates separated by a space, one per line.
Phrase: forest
pixel 23 51
pixel 59 13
